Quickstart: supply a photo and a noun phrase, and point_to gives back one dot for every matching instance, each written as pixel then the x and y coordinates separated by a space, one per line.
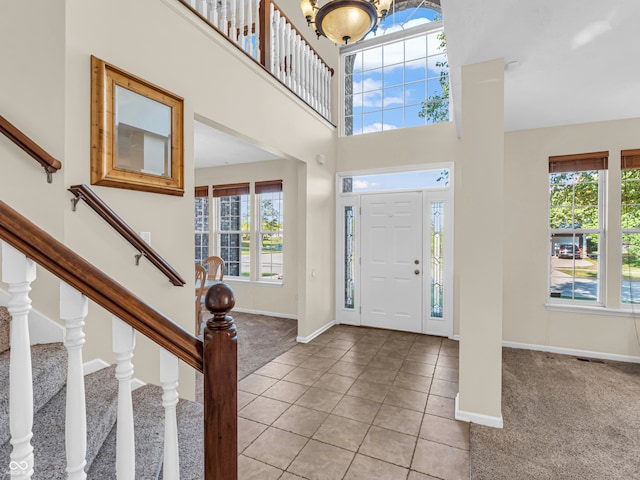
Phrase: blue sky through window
pixel 387 85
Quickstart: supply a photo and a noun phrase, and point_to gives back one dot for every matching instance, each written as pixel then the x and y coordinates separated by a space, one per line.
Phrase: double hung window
pixel 201 223
pixel 251 249
pixel 576 226
pixel 630 224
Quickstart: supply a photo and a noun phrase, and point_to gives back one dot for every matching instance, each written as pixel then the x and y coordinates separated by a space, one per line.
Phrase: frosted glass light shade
pixel 307 9
pixel 346 21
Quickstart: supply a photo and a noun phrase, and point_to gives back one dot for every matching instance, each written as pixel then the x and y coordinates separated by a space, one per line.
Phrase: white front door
pixel 392 266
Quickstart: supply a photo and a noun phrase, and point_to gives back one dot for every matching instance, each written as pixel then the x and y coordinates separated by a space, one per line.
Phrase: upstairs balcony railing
pixel 263 31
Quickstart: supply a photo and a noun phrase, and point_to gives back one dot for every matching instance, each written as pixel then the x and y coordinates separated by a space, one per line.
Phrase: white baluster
pixel 287 54
pixel 318 67
pixel 233 34
pixel 307 73
pixel 193 3
pixel 275 55
pixel 241 25
pixel 272 41
pixel 298 65
pixel 123 345
pixel 73 310
pixel 314 81
pixel 200 7
pixel 18 272
pixel 212 11
pixel 256 20
pixel 323 103
pixel 169 381
pixel 283 52
pixel 328 75
pixel 251 46
pixel 223 26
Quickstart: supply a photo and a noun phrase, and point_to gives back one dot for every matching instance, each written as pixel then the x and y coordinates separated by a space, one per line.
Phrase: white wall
pixel 526 242
pixel 46 91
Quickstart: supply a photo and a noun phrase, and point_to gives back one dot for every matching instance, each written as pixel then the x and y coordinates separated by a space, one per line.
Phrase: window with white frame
pixel 397 80
pixel 630 223
pixel 234 228
pixel 576 227
pixel 270 234
pixel 251 250
pixel 201 224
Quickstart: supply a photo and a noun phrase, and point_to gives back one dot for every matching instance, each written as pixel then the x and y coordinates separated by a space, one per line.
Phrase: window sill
pixel 241 281
pixel 593 310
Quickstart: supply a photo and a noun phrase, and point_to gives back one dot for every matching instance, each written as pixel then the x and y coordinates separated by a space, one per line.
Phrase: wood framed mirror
pixel 136 132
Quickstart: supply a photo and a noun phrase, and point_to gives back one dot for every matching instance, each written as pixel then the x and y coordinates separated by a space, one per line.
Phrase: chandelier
pixel 345 21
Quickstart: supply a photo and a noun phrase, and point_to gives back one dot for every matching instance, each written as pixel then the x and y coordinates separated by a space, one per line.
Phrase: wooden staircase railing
pixel 83 192
pixel 215 356
pixel 50 164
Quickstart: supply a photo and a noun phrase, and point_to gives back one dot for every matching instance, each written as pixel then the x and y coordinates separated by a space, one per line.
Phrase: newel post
pixel 265 33
pixel 220 360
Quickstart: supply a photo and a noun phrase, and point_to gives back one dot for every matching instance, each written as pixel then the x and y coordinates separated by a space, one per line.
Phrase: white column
pixel 123 345
pixel 223 25
pixel 73 310
pixel 233 34
pixel 481 276
pixel 18 272
pixel 275 43
pixel 169 381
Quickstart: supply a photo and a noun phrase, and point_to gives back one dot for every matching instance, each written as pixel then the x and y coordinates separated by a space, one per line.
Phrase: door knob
pixel 417 272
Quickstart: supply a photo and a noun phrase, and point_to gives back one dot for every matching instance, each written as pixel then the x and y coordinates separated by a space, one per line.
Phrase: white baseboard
pixel 94 365
pixel 41 328
pixel 262 312
pixel 572 351
pixel 322 329
pixel 479 418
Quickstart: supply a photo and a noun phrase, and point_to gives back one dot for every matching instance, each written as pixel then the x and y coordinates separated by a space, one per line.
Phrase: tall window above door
pixel 395 81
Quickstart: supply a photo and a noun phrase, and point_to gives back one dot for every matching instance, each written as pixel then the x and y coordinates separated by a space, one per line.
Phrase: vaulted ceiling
pixel 566 62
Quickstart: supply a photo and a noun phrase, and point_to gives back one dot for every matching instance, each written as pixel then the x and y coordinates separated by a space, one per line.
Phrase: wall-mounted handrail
pixel 13 133
pixel 70 267
pixel 83 192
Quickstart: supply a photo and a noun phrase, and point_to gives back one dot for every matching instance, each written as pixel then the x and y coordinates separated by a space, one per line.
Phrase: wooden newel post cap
pixel 219 300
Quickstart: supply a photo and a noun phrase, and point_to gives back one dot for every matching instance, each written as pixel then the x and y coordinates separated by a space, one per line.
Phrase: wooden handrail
pixel 71 268
pixel 13 133
pixel 83 192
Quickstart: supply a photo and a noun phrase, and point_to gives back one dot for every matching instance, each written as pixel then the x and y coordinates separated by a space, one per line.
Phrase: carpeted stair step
pixel 49 364
pixel 149 437
pixel 49 425
pixel 5 322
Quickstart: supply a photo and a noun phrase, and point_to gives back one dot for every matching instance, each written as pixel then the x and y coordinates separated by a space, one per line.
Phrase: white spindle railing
pixel 123 344
pixel 169 380
pixel 73 310
pixel 292 60
pixel 18 272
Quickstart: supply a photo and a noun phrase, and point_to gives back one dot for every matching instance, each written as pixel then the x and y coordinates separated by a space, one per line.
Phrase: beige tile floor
pixel 355 403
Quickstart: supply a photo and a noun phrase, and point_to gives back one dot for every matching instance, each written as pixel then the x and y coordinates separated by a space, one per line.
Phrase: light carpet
pixel 564 418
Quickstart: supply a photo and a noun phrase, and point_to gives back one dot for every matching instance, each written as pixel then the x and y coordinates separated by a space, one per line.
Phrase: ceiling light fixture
pixel 345 21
